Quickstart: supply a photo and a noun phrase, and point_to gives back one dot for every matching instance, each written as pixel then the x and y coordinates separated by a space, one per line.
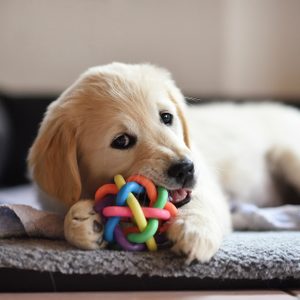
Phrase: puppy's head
pixel 126 119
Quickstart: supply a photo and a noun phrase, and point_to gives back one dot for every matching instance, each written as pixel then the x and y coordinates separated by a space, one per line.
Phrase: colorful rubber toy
pixel 127 223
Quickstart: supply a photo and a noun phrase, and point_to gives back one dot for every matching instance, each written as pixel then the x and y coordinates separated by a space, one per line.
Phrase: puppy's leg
pixel 285 161
pixel 83 227
pixel 201 225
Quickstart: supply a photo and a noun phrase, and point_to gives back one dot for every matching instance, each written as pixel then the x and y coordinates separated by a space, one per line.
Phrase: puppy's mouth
pixel 180 197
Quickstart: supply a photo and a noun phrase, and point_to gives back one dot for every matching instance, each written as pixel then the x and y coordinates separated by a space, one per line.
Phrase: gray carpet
pixel 244 255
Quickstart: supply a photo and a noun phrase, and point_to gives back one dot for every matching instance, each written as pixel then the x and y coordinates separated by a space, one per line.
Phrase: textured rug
pixel 243 255
pixel 247 255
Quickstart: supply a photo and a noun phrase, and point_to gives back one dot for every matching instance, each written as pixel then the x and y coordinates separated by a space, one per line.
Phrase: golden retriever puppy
pixel 126 119
pixel 132 119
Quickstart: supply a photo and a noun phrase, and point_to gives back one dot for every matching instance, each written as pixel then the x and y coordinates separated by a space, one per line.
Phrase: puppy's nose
pixel 182 171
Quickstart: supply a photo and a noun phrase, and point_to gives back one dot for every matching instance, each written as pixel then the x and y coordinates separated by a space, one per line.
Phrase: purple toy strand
pixel 122 241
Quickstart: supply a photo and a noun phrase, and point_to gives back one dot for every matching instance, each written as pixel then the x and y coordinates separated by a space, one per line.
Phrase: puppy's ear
pixel 53 160
pixel 178 99
pixel 186 134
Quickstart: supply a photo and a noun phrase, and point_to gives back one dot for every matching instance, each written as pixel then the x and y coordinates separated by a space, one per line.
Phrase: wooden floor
pixel 206 295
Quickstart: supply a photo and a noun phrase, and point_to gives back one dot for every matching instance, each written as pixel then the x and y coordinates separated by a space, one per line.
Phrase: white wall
pixel 262 53
pixel 213 47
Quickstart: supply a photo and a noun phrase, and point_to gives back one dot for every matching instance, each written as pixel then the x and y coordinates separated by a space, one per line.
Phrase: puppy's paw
pixel 83 227
pixel 193 238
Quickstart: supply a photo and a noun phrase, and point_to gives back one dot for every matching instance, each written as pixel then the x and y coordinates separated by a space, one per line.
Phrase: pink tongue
pixel 178 195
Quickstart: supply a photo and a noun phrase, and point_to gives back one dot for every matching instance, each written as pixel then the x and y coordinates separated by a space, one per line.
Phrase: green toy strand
pixel 152 226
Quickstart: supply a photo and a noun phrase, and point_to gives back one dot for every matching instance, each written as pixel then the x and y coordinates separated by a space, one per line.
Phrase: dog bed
pixel 246 259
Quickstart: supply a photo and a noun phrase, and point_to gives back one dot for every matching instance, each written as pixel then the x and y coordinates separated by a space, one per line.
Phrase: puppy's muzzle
pixel 183 172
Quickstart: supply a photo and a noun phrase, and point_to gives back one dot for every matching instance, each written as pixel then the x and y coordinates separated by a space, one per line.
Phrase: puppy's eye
pixel 166 118
pixel 123 141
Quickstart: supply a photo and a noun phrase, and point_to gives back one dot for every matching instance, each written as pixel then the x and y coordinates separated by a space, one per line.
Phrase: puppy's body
pixel 249 146
pixel 78 149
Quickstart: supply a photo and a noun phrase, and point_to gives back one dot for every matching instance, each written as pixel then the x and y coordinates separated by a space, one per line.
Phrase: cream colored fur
pixel 247 144
pixel 233 149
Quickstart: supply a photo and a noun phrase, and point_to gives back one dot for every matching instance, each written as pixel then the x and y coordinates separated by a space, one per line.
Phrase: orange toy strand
pixel 173 212
pixel 171 208
pixel 107 189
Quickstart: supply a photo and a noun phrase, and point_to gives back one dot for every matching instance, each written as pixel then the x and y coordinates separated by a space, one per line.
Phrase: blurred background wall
pixel 214 48
pixel 226 48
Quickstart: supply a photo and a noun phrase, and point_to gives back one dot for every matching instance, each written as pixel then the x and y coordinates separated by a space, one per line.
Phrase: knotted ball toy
pixel 127 223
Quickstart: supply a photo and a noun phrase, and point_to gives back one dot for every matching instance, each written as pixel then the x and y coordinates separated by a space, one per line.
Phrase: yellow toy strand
pixel 136 211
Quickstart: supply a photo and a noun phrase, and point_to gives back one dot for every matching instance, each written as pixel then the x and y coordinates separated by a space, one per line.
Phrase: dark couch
pixel 19 120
